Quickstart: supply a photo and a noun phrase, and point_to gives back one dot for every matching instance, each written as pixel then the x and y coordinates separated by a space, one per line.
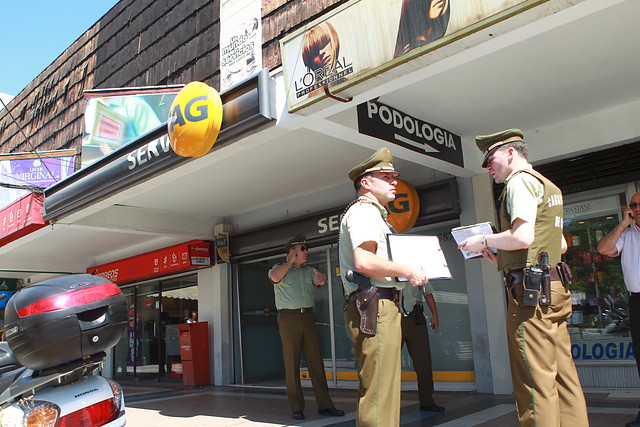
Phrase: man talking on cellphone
pixel 294 284
pixel 624 240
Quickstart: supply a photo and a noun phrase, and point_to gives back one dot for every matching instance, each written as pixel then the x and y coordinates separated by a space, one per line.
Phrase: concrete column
pixel 487 305
pixel 214 306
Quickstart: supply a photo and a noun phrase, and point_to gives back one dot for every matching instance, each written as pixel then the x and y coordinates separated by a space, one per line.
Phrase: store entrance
pixel 261 345
pixel 149 348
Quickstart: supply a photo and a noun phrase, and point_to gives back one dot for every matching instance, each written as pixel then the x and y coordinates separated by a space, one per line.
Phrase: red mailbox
pixel 194 352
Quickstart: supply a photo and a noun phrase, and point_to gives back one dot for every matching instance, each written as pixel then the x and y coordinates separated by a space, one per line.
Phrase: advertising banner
pixel 602 348
pixel 32 169
pixel 115 117
pixel 240 40
pixel 21 218
pixel 173 259
pixel 366 37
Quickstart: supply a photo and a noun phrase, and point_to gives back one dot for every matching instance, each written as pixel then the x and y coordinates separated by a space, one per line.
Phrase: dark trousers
pixel 417 339
pixel 634 323
pixel 299 335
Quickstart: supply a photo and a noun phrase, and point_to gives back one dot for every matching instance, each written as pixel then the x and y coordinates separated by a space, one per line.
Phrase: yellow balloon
pixel 194 120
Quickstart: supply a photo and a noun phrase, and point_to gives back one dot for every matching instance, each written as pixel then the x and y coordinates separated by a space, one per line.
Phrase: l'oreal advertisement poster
pixel 357 39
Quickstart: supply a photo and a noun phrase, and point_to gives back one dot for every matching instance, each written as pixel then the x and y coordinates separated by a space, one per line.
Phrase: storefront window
pixel 451 344
pixel 599 325
pixel 150 345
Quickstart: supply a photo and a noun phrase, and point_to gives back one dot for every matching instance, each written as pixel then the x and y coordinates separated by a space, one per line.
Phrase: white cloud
pixel 5 98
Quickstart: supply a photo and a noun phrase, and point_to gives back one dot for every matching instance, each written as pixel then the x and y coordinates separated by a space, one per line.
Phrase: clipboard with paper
pixel 460 234
pixel 422 251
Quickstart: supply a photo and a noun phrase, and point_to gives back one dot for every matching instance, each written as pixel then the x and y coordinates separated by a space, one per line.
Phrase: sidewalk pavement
pixel 157 404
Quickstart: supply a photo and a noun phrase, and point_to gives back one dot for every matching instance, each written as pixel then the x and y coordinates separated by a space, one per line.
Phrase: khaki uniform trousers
pixel 545 380
pixel 299 334
pixel 417 339
pixel 378 363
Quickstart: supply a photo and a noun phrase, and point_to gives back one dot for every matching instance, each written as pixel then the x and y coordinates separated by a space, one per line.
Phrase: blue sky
pixel 33 33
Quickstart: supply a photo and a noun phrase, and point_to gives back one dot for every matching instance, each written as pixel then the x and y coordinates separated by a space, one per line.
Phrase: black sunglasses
pixel 303 248
pixel 633 205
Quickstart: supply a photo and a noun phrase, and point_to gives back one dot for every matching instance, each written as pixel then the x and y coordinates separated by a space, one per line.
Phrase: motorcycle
pixel 57 334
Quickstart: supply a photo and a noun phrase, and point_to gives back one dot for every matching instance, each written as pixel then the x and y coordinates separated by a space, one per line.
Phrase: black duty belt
pixel 297 310
pixel 383 293
pixel 516 277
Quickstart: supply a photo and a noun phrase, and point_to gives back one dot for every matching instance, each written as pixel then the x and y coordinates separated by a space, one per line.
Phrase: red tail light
pixel 71 299
pixel 95 415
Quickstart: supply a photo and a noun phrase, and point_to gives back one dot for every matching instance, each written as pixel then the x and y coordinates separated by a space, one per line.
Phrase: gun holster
pixel 537 283
pixel 564 271
pixel 367 304
pixel 532 283
pixel 366 301
pixel 418 313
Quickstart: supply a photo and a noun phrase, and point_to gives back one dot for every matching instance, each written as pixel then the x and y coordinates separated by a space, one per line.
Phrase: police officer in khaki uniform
pixel 416 337
pixel 294 284
pixel 545 380
pixel 363 248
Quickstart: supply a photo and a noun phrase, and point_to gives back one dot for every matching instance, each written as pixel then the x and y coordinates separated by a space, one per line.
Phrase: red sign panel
pixel 22 217
pixel 174 259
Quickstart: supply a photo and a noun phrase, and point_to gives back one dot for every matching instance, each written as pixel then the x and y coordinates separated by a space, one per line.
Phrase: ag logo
pixel 404 210
pixel 194 120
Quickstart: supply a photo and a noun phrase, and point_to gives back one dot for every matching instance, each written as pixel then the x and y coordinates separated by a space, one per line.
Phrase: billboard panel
pixel 363 38
pixel 115 117
pixel 32 170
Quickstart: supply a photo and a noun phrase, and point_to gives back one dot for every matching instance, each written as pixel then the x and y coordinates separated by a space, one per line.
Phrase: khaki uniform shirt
pixel 296 289
pixel 363 222
pixel 411 295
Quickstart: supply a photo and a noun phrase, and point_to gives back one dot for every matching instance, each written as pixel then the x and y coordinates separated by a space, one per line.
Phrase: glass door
pixel 599 325
pixel 127 351
pixel 179 305
pixel 261 347
pixel 322 308
pixel 150 332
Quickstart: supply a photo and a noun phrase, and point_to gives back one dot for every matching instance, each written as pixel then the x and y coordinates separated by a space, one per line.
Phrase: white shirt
pixel 628 247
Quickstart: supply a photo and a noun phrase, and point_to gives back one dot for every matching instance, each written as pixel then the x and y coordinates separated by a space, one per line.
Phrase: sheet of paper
pixel 422 251
pixel 460 234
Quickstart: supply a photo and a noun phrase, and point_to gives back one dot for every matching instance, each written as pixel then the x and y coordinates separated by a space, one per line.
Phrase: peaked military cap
pixel 298 239
pixel 489 143
pixel 380 161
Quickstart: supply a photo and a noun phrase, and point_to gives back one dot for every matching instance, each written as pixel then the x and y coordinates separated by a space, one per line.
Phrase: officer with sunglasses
pixel 624 240
pixel 294 283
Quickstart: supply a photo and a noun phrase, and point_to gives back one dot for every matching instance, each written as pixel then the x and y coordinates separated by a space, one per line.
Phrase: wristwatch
pixel 484 240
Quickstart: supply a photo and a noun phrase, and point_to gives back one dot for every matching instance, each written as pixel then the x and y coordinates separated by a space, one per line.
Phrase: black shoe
pixel 635 423
pixel 298 415
pixel 432 408
pixel 331 412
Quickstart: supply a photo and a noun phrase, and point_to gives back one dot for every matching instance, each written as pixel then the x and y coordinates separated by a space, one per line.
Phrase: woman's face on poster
pixel 325 56
pixel 438 8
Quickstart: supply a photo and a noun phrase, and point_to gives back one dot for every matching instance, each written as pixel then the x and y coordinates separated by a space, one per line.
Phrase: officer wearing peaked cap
pixel 380 161
pixel 363 249
pixel 294 284
pixel 545 380
pixel 489 143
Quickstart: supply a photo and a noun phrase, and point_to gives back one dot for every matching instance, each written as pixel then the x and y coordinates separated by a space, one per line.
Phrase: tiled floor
pixel 151 404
